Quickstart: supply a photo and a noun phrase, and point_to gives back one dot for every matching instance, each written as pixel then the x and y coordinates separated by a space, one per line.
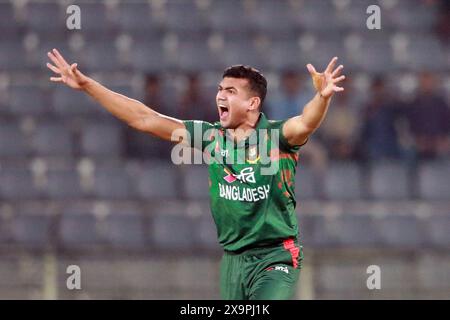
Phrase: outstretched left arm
pixel 299 128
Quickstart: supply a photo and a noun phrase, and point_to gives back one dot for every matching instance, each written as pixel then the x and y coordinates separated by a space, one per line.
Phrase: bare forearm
pixel 133 112
pixel 126 109
pixel 315 111
pixel 298 129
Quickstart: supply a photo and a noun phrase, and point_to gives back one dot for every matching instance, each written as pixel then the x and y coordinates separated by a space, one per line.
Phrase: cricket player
pixel 252 164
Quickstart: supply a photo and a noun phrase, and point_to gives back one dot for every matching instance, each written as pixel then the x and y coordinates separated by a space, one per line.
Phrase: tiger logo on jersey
pixel 252 155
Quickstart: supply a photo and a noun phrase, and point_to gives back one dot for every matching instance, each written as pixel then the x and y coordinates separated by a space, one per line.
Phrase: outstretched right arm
pixel 134 113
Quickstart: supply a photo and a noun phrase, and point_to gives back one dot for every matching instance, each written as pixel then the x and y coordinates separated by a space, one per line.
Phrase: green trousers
pixel 269 273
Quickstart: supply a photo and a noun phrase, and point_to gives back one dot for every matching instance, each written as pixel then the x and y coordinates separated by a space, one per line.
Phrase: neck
pixel 246 128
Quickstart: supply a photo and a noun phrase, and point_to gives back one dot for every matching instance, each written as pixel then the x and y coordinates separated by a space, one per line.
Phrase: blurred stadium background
pixel 79 187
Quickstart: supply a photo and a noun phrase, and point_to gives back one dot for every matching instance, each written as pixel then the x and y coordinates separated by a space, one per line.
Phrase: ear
pixel 255 102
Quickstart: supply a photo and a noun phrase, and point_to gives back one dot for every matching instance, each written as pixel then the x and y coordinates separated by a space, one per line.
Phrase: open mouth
pixel 223 111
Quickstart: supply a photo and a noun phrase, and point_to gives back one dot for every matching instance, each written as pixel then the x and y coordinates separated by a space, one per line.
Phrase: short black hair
pixel 256 80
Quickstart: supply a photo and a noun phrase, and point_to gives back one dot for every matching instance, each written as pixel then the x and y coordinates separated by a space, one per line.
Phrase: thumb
pixel 75 72
pixel 73 68
pixel 311 69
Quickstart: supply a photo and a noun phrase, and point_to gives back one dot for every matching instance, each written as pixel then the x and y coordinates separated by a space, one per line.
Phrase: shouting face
pixel 234 100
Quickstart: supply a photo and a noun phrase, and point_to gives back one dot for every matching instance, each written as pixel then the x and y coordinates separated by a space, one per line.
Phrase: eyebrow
pixel 226 88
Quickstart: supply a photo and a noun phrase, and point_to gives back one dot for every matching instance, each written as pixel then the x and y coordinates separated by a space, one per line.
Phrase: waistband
pixel 285 244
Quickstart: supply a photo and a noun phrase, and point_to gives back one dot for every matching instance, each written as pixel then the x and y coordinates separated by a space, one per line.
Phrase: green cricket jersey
pixel 251 183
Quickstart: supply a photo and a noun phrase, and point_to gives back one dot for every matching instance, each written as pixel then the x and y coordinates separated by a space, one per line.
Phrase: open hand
pixel 326 82
pixel 68 74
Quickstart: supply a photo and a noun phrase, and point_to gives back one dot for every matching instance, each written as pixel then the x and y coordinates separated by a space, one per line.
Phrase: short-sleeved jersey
pixel 251 183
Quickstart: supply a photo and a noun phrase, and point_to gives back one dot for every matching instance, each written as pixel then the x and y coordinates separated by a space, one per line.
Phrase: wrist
pixel 323 97
pixel 87 84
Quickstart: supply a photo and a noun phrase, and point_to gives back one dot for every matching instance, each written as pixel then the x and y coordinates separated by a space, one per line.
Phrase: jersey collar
pixel 262 123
